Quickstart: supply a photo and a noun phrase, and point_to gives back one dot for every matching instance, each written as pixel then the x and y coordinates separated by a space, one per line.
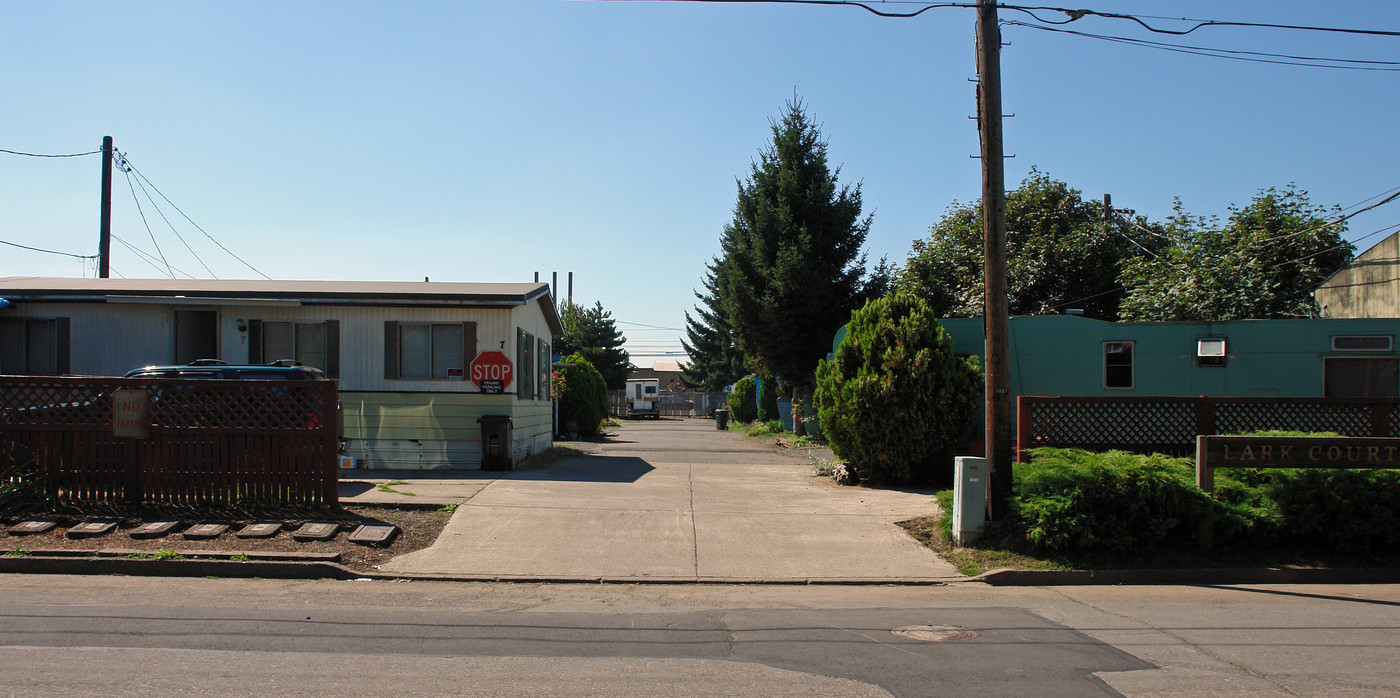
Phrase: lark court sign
pixel 1290 452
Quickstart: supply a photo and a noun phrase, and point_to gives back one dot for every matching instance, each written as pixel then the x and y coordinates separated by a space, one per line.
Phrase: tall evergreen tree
pixel 792 269
pixel 715 360
pixel 593 334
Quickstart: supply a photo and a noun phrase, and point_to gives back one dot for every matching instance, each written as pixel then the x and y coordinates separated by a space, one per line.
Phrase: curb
pixel 319 569
pixel 267 569
pixel 1191 577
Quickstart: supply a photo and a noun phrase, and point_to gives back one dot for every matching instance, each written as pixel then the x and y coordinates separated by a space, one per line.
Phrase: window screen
pixel 1361 377
pixel 1118 365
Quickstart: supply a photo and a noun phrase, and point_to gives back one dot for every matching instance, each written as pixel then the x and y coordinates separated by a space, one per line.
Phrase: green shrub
pixel 895 400
pixel 1116 502
pixel 584 399
pixel 1353 511
pixel 768 400
pixel 743 405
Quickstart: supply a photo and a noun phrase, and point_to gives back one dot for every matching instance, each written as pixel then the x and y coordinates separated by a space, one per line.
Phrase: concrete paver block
pixel 316 530
pixel 260 529
pixel 155 529
pixel 372 534
pixel 205 531
pixel 41 524
pixel 93 528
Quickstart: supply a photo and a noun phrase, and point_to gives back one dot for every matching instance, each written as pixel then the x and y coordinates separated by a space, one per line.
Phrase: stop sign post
pixel 492 372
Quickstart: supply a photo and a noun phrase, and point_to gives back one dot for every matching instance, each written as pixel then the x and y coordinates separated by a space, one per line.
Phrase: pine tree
pixel 792 269
pixel 715 360
pixel 593 334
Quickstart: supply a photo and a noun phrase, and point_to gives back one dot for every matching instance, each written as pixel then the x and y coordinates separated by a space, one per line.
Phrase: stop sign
pixel 492 371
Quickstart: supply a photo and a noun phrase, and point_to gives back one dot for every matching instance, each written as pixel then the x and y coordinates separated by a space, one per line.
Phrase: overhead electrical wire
pixel 1228 54
pixel 149 258
pixel 152 233
pixel 1072 15
pixel 196 225
pixel 41 155
pixel 168 224
pixel 36 249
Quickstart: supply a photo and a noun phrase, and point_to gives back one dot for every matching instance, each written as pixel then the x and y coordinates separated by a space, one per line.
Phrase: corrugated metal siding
pixel 109 340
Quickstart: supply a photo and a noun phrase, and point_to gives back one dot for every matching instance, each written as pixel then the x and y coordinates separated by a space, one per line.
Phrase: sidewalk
pixel 674 500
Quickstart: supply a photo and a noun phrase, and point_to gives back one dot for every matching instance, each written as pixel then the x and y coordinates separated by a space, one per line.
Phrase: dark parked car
pixel 216 369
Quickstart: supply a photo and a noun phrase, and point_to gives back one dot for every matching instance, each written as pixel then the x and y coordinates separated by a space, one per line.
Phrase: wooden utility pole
pixel 104 235
pixel 996 307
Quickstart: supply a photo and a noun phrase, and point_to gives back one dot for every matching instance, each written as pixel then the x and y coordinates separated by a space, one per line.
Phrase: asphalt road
pixel 87 636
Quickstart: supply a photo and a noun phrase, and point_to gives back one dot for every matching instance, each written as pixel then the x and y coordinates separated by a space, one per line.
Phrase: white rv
pixel 644 397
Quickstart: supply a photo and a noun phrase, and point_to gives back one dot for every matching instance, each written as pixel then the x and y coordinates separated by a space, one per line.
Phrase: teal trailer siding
pixel 1063 354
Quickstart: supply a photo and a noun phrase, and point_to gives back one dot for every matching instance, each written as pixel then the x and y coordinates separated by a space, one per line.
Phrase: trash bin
pixel 495 441
pixel 722 420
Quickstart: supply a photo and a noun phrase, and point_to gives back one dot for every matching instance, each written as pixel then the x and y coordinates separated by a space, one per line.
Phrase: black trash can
pixel 495 441
pixel 722 420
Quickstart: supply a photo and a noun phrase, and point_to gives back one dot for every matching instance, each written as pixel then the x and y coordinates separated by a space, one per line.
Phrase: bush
pixel 895 400
pixel 584 399
pixel 1353 511
pixel 1069 500
pixel 743 405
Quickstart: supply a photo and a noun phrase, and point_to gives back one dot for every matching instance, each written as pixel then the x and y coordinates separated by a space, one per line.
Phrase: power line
pixel 145 222
pixel 41 155
pixel 1077 14
pixel 36 249
pixel 168 224
pixel 1228 54
pixel 196 225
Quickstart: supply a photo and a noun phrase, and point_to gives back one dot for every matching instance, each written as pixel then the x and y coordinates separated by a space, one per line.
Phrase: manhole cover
pixel 935 633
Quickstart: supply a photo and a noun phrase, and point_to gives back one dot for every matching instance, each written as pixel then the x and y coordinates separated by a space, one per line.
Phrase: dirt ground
pixel 418 528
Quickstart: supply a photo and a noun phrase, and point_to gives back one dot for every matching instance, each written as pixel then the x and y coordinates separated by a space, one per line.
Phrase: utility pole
pixel 996 307
pixel 104 234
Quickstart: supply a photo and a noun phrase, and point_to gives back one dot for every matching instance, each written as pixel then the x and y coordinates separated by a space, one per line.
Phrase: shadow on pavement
pixel 591 468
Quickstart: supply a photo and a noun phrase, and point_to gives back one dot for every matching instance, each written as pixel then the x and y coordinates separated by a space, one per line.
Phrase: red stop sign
pixel 492 372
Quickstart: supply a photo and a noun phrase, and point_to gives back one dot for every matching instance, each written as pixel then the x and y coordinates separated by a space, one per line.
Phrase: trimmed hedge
pixel 743 403
pixel 584 400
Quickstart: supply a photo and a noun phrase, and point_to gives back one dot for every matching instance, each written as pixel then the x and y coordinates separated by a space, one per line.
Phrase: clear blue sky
pixel 487 140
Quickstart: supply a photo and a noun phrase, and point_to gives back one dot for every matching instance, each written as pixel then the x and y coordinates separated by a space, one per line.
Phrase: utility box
pixel 496 436
pixel 969 499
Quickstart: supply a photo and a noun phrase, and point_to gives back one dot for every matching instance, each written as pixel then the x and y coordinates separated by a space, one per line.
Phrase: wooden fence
pixel 250 443
pixel 1170 424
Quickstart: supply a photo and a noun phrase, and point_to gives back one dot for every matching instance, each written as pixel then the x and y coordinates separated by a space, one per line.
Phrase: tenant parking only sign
pixel 492 372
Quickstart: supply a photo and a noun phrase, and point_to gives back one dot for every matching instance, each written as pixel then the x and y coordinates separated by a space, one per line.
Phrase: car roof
pixel 271 371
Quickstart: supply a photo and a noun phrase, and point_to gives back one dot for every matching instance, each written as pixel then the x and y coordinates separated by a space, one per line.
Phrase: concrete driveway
pixel 675 500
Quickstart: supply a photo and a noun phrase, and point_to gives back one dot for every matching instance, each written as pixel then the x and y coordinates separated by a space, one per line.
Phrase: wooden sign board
pixel 131 414
pixel 1290 452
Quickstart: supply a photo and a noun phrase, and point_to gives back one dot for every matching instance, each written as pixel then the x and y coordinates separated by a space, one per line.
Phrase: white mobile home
pixel 403 352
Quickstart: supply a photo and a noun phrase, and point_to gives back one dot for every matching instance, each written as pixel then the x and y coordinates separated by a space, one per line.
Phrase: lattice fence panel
pixel 1347 420
pixel 211 442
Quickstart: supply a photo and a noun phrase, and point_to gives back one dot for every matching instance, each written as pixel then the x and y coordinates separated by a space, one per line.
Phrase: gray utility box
pixel 969 498
pixel 496 437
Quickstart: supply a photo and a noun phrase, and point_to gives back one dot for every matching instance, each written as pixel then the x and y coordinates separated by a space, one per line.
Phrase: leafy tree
pixel 791 268
pixel 1059 254
pixel 592 333
pixel 715 360
pixel 743 405
pixel 583 401
pixel 768 400
pixel 895 400
pixel 1264 262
